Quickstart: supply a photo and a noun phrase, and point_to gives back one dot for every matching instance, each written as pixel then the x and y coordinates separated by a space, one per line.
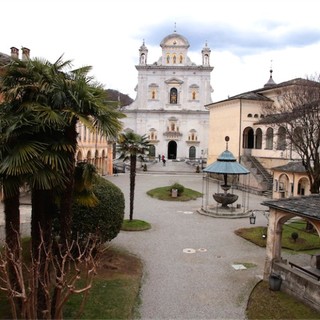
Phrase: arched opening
pixel 248 138
pixel 89 157
pixel 303 187
pixel 96 159
pixel 79 156
pixel 173 96
pixel 281 145
pixel 258 139
pixel 172 150
pixel 152 151
pixel 269 139
pixel 192 152
pixel 284 186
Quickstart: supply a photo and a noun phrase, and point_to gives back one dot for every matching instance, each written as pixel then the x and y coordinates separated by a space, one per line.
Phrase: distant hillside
pixel 115 95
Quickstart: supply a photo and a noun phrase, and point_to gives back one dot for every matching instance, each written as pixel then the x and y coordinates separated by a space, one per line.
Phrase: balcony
pixel 172 135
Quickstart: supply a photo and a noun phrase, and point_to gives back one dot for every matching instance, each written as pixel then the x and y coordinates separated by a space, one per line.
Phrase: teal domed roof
pixel 226 164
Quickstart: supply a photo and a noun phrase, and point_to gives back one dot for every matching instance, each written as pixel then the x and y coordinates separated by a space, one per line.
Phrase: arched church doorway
pixel 172 150
pixel 192 152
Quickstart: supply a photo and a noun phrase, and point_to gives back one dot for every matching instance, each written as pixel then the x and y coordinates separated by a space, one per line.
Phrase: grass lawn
pixel 164 193
pixel 135 225
pixel 114 293
pixel 305 240
pixel 267 304
pixel 115 290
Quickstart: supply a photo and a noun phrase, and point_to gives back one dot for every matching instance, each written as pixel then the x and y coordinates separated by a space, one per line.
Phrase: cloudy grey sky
pixel 246 37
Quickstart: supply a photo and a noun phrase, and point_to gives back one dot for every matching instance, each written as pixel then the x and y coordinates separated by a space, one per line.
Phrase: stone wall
pixel 302 286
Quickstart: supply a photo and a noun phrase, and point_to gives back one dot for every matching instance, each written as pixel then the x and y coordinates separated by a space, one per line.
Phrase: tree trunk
pixel 43 210
pixel 12 235
pixel 133 163
pixel 12 223
pixel 65 214
pixel 314 189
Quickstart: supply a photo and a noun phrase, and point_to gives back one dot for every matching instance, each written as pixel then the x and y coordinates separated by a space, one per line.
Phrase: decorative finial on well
pixel 227 140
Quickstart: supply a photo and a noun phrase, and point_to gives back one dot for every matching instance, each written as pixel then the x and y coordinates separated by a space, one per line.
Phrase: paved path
pixel 188 257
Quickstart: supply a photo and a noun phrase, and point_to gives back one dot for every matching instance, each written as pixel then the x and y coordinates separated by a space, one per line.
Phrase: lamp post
pixel 201 159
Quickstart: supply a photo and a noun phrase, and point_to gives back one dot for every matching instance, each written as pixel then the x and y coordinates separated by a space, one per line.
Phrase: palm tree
pixel 83 101
pixel 41 108
pixel 132 146
pixel 59 99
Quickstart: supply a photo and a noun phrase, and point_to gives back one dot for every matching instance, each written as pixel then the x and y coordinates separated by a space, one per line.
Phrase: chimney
pixel 14 52
pixel 25 53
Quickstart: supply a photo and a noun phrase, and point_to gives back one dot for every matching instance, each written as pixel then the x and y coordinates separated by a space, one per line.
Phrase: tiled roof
pixel 295 166
pixel 226 164
pixel 258 93
pixel 4 59
pixel 304 206
pixel 251 96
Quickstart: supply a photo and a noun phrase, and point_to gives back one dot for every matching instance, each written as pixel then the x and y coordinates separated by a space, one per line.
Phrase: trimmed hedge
pixel 103 220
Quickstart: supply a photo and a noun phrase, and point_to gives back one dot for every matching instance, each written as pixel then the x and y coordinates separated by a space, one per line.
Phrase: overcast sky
pixel 246 37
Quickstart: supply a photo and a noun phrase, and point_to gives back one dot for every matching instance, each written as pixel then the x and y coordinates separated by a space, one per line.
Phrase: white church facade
pixel 170 104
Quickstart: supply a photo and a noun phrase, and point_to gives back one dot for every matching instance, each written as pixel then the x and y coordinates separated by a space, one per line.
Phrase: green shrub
pixel 103 220
pixel 294 236
pixel 177 186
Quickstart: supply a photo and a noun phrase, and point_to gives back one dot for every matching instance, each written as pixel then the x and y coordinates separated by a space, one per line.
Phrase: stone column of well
pixel 273 246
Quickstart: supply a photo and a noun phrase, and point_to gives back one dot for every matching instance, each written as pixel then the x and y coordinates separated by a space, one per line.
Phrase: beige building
pixel 258 146
pixel 290 180
pixel 95 149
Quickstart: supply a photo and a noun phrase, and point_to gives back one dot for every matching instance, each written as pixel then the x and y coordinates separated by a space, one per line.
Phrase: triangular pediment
pixel 174 81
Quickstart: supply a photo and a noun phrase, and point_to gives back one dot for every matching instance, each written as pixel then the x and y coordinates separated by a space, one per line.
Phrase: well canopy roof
pixel 226 164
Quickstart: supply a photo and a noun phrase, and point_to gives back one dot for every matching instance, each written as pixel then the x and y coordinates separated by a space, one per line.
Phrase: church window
pixel 168 59
pixel 173 127
pixel 193 95
pixel 249 115
pixel 153 95
pixel 174 59
pixel 173 96
pixel 153 135
pixel 192 136
pixel 181 58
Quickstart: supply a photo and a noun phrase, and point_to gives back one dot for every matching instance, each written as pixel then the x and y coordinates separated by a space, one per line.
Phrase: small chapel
pixel 170 103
